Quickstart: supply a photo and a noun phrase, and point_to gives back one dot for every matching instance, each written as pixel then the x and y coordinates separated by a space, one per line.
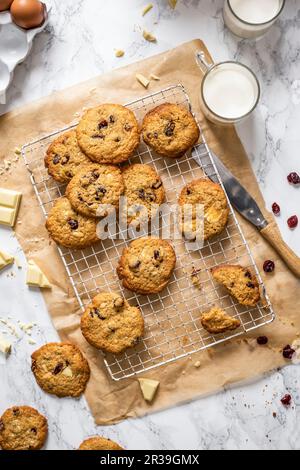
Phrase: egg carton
pixel 15 45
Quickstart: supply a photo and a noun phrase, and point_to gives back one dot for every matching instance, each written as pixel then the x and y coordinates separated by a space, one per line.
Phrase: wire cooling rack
pixel 172 318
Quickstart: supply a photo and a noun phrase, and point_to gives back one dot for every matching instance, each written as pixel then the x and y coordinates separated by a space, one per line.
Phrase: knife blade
pixel 239 196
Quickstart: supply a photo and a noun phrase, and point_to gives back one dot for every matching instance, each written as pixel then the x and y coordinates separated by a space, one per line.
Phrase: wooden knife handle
pixel 272 234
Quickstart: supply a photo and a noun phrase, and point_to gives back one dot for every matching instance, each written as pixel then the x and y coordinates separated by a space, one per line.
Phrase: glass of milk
pixel 230 91
pixel 251 18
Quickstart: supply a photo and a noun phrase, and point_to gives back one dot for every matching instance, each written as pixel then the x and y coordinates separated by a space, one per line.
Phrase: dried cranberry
pixel 58 368
pixel 261 340
pixel 56 159
pixel 286 400
pixel 288 352
pixel 269 266
pixel 169 129
pixel 276 208
pixel 293 178
pixel 293 221
pixel 73 224
pixel 102 125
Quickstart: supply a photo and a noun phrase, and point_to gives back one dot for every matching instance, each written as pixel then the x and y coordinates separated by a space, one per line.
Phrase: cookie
pixel 60 369
pixel 70 229
pixel 170 130
pixel 108 134
pixel 216 211
pixel 22 428
pixel 95 190
pixel 216 321
pixel 64 157
pixel 111 324
pixel 146 265
pixel 240 282
pixel 99 443
pixel 144 192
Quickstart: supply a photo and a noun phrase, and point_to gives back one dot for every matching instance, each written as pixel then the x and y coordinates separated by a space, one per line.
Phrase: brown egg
pixel 5 4
pixel 28 13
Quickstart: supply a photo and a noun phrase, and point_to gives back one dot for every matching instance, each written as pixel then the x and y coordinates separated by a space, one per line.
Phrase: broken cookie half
pixel 216 321
pixel 240 282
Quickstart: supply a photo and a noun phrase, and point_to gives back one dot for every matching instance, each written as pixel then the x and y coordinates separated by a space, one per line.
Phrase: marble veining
pixel 79 43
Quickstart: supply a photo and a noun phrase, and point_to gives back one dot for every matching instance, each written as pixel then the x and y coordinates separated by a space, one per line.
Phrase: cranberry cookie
pixel 144 191
pixel 216 211
pixel 99 443
pixel 108 133
pixel 64 157
pixel 240 282
pixel 96 190
pixel 146 265
pixel 111 324
pixel 22 428
pixel 60 369
pixel 70 229
pixel 170 130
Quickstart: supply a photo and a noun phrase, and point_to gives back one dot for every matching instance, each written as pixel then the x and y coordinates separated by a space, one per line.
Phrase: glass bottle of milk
pixel 251 18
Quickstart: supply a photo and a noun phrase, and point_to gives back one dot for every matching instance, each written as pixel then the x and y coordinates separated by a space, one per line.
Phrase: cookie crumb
pixel 119 53
pixel 147 9
pixel 142 80
pixel 197 364
pixel 149 36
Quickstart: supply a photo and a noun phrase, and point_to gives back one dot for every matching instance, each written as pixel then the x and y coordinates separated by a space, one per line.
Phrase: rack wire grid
pixel 172 318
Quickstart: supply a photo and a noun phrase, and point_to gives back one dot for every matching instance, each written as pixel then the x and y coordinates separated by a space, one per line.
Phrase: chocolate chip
pixel 102 125
pixel 33 430
pixel 248 274
pixel 56 159
pixel 65 159
pixel 58 368
pixel 157 184
pixel 188 191
pixel 288 352
pixel 73 224
pixel 169 129
pixel 16 411
pixel 2 427
pixel 250 285
pixel 113 330
pixel 156 254
pixel 117 139
pixel 112 119
pixel 155 135
pixel 127 127
pixel 69 174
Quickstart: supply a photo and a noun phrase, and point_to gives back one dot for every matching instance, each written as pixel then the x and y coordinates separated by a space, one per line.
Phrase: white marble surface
pixel 79 43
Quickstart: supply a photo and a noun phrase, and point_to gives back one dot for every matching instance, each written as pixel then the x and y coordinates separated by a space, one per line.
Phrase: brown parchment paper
pixel 237 361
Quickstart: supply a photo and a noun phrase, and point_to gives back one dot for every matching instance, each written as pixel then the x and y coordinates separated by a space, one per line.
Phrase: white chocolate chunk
pixel 143 80
pixel 9 206
pixel 149 388
pixel 154 77
pixel 147 9
pixel 149 36
pixel 67 372
pixel 5 259
pixel 36 277
pixel 5 346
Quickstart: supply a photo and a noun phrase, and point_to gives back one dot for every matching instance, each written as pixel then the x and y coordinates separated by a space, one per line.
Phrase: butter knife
pixel 243 202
